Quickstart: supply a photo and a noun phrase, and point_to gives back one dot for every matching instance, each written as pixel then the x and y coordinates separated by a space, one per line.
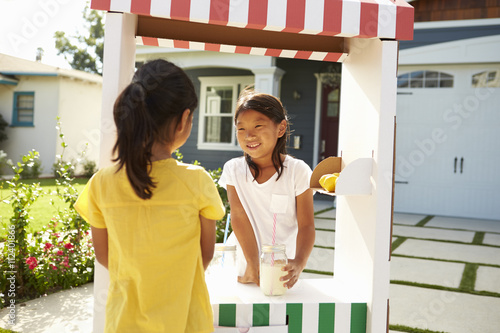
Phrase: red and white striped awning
pixel 269 27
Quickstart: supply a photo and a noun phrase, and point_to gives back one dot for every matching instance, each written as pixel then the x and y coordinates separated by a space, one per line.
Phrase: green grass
pixel 469 277
pixel 402 328
pixel 397 242
pixel 478 238
pixel 42 210
pixel 3 330
pixel 324 211
pixel 424 221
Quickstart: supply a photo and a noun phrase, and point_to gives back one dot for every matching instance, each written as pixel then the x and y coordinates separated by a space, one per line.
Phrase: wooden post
pixel 363 227
pixel 118 69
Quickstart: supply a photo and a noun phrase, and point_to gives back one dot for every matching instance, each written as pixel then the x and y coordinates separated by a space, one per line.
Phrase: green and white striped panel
pixel 307 317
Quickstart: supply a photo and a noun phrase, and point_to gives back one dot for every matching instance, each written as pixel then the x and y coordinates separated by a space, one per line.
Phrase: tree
pixel 84 52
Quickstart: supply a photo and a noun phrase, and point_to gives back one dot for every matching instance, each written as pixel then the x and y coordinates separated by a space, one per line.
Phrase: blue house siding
pixel 299 77
pixel 210 159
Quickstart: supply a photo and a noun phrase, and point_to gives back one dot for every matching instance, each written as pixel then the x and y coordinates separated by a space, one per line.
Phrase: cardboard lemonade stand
pixel 361 34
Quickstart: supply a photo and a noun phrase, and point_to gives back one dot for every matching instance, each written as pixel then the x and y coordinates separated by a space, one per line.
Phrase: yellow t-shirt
pixel 157 281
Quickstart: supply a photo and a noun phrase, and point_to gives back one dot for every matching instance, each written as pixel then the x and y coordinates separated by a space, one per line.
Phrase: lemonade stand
pixel 361 34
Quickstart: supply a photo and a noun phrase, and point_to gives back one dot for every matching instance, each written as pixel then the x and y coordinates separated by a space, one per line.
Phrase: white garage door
pixel 448 142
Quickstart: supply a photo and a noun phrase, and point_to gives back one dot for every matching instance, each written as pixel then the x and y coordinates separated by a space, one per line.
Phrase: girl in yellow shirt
pixel 153 218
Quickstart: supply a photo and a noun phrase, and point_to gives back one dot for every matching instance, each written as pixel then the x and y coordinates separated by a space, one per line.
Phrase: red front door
pixel 330 106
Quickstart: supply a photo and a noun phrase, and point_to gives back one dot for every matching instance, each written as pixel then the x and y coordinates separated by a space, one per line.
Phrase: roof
pixel 306 29
pixel 13 66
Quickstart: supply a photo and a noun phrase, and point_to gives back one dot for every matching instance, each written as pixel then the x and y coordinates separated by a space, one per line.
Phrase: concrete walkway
pixel 434 262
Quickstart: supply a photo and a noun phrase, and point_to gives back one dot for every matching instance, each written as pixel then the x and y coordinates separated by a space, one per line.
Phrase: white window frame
pixel 238 83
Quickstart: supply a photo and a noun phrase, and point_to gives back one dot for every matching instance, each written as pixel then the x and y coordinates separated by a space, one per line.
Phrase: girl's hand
pixel 294 268
pixel 251 276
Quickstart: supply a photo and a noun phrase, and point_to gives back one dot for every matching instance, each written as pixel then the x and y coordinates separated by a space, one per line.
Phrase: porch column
pixel 268 80
pixel 118 69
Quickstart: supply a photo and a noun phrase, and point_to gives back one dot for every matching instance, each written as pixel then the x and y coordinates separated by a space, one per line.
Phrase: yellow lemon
pixel 329 181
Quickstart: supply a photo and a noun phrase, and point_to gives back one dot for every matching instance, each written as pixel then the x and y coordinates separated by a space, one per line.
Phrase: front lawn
pixel 43 210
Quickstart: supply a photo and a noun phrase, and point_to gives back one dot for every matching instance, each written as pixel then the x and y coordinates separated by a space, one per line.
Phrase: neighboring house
pixel 448 111
pixel 446 156
pixel 218 79
pixel 34 95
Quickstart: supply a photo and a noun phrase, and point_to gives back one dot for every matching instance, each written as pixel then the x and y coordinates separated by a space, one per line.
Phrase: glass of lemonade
pixel 272 260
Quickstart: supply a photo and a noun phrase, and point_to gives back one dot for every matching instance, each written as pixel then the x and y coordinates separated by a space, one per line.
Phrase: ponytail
pixel 134 138
pixel 144 113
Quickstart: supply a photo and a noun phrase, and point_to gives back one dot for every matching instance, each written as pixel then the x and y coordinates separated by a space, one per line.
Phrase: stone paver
pixel 443 311
pixel 492 239
pixel 325 238
pixel 450 251
pixel 304 275
pixel 324 224
pixel 323 204
pixel 321 260
pixel 488 279
pixel 408 219
pixel 328 214
pixel 433 233
pixel 468 224
pixel 439 273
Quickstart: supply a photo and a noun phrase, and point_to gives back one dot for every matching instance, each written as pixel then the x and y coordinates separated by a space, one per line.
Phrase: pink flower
pixel 68 246
pixel 60 253
pixel 53 267
pixel 31 261
pixel 48 246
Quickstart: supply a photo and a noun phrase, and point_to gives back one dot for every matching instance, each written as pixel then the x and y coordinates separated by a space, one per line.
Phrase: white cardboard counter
pixel 312 305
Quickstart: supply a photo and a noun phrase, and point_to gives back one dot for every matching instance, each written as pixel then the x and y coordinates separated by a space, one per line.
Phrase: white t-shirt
pixel 262 201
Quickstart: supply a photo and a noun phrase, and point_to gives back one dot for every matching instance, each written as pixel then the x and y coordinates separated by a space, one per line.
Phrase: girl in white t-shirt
pixel 264 184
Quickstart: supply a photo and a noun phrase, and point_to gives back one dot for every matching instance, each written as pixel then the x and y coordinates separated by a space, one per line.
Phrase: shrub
pixel 221 224
pixel 60 166
pixel 3 126
pixel 15 252
pixel 58 257
pixel 33 168
pixel 3 161
pixel 89 168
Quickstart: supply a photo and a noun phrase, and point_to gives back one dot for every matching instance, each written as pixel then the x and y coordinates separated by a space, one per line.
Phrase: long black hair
pixel 144 113
pixel 272 108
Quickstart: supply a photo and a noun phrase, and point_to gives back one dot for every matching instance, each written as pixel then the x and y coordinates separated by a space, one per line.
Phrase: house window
pixel 486 79
pixel 425 79
pixel 24 106
pixel 218 99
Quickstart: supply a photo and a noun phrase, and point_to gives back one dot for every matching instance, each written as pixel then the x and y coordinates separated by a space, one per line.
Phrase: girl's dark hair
pixel 272 108
pixel 144 113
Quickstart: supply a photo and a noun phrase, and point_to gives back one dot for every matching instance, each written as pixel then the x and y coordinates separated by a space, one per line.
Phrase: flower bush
pixel 58 257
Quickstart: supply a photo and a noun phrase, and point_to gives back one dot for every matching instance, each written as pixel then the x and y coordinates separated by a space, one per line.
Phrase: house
pixel 445 158
pixel 448 111
pixel 308 89
pixel 33 96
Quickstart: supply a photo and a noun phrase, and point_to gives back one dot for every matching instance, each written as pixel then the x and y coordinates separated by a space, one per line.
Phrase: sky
pixel 26 25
